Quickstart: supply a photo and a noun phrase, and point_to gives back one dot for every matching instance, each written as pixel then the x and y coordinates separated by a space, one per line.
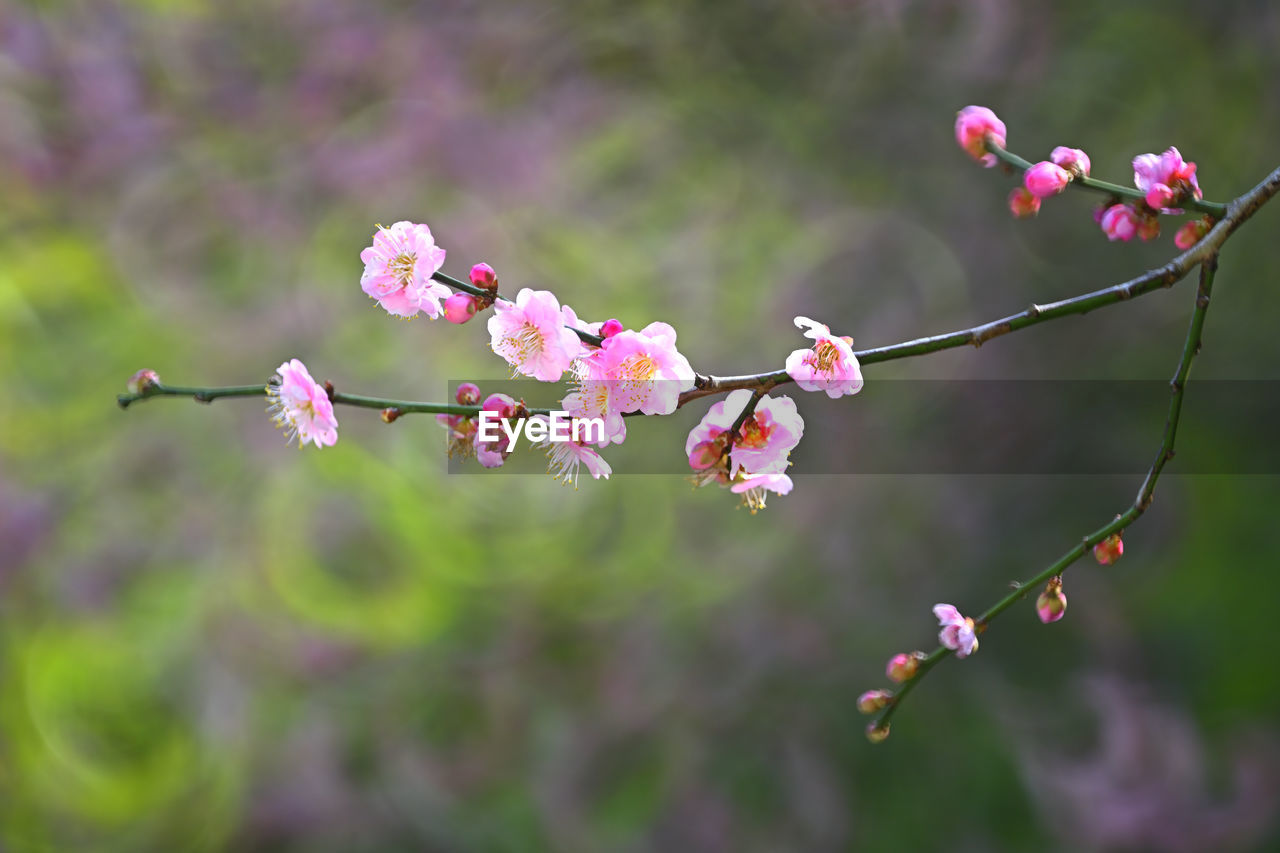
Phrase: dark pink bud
pixel 1022 204
pixel 504 406
pixel 1073 160
pixel 482 275
pixel 610 328
pixel 1192 232
pixel 1109 550
pixel 459 308
pixel 1160 196
pixel 468 394
pixel 1052 603
pixel 1045 179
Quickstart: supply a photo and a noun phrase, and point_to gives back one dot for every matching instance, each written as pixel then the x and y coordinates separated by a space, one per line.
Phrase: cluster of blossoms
pixel 1165 181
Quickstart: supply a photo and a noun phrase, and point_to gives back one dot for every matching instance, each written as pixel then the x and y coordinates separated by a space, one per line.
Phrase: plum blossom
pixel 973 126
pixel 530 334
pixel 829 365
pixel 301 407
pixel 1073 160
pixel 645 371
pixel 1192 232
pixel 957 632
pixel 1022 204
pixel 763 443
pixel 460 307
pixel 754 488
pixel 566 457
pixel 1165 178
pixel 1121 222
pixel 591 399
pixel 492 454
pixel 1045 179
pixel 1052 603
pixel 398 269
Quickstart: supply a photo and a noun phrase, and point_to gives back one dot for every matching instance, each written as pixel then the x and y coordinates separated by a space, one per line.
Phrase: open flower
pixel 398 269
pixel 645 371
pixel 590 399
pixel 530 334
pixel 973 126
pixel 763 442
pixel 754 488
pixel 301 407
pixel 829 365
pixel 1165 179
pixel 567 457
pixel 957 631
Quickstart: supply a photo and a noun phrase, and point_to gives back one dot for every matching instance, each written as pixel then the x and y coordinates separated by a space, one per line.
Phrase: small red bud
pixel 1052 603
pixel 1109 550
pixel 874 700
pixel 902 667
pixel 877 732
pixel 468 394
pixel 610 328
pixel 482 275
pixel 390 414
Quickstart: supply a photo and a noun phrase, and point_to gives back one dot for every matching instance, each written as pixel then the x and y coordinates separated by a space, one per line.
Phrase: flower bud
pixel 390 414
pixel 1192 232
pixel 1022 204
pixel 482 275
pixel 1119 222
pixel 1159 197
pixel 1109 550
pixel 460 307
pixel 143 381
pixel 1148 228
pixel 974 126
pixel 468 394
pixel 1045 179
pixel 877 732
pixel 902 667
pixel 1052 603
pixel 874 700
pixel 1073 160
pixel 610 328
pixel 503 405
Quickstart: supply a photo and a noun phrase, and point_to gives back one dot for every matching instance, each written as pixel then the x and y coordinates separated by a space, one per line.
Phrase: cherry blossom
pixel 530 334
pixel 829 365
pixel 398 269
pixel 301 407
pixel 957 631
pixel 973 127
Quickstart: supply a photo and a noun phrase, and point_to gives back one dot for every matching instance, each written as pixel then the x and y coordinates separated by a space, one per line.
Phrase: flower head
pixel 301 407
pixel 1120 222
pixel 1045 179
pixel 492 454
pixel 958 632
pixel 902 666
pixel 591 399
pixel 1109 550
pixel 645 371
pixel 1165 179
pixel 482 275
pixel 754 488
pixel 398 269
pixel 1073 160
pixel 1022 204
pixel 530 334
pixel 829 365
pixel 566 457
pixel 974 125
pixel 1052 603
pixel 763 442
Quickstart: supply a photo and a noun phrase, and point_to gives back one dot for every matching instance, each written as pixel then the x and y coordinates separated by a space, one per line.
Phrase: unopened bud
pixel 143 381
pixel 482 275
pixel 877 732
pixel 902 667
pixel 460 307
pixel 1192 232
pixel 610 328
pixel 874 700
pixel 390 414
pixel 1109 550
pixel 1023 203
pixel 1052 603
pixel 468 394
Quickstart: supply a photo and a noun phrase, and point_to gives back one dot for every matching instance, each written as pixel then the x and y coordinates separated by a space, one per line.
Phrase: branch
pixel 1177 386
pixel 1237 212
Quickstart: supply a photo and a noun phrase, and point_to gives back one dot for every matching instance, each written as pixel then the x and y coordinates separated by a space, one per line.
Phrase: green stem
pixel 208 395
pixel 1190 348
pixel 1213 208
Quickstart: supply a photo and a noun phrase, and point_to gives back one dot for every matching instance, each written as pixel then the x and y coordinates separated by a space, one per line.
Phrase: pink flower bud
pixel 1192 232
pixel 503 405
pixel 1148 228
pixel 874 700
pixel 1159 197
pixel 468 394
pixel 143 381
pixel 902 667
pixel 459 308
pixel 974 126
pixel 482 275
pixel 610 328
pixel 1045 179
pixel 877 732
pixel 1109 550
pixel 1022 204
pixel 1052 603
pixel 705 454
pixel 1073 160
pixel 1119 222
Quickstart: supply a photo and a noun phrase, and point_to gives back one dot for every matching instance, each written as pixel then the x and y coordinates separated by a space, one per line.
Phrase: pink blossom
pixel 754 488
pixel 301 407
pixel 461 438
pixel 1120 222
pixel 1045 179
pixel 460 307
pixel 1109 550
pixel 467 394
pixel 957 632
pixel 764 441
pixel 829 365
pixel 482 275
pixel 645 370
pixel 1022 204
pixel 1073 160
pixel 1168 175
pixel 398 269
pixel 566 457
pixel 492 454
pixel 530 334
pixel 591 399
pixel 974 125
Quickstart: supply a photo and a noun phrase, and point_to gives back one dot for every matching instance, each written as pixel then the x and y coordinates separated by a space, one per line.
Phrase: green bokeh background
pixel 209 641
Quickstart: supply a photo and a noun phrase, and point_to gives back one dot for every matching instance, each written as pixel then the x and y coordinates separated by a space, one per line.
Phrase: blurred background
pixel 211 641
